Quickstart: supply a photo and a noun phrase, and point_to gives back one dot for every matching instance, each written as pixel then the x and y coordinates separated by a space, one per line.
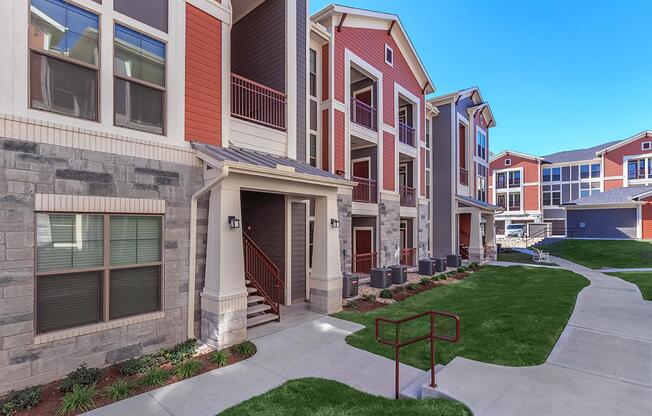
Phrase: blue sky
pixel 558 74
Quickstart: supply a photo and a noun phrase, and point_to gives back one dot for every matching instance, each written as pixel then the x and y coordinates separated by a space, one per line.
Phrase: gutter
pixel 193 246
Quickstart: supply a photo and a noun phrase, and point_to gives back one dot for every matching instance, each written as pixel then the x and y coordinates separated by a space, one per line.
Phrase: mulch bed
pixel 51 395
pixel 362 305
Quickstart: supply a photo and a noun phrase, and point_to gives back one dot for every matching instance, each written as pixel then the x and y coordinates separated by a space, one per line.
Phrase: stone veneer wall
pixel 422 233
pixel 344 203
pixel 389 211
pixel 27 168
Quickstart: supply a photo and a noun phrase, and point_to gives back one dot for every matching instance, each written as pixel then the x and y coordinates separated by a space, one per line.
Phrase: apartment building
pixel 598 192
pixel 463 218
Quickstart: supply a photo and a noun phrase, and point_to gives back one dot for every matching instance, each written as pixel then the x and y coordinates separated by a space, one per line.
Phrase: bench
pixel 540 256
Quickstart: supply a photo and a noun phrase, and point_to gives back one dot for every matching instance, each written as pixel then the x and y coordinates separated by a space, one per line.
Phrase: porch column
pixel 224 296
pixel 476 251
pixel 326 276
pixel 490 236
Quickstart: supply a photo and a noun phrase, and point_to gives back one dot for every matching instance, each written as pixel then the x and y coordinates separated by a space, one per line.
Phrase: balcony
pixel 408 256
pixel 464 177
pixel 363 114
pixel 365 191
pixel 406 134
pixel 408 196
pixel 257 103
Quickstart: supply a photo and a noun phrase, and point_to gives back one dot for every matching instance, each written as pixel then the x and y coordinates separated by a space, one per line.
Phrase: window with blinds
pixel 93 268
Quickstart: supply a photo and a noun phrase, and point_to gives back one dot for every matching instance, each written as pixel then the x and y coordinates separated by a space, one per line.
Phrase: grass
pixel 597 254
pixel 518 257
pixel 119 389
pixel 320 397
pixel 156 377
pixel 510 316
pixel 641 279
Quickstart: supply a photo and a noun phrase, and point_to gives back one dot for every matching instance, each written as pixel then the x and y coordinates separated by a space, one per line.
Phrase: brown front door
pixel 363 246
pixel 361 169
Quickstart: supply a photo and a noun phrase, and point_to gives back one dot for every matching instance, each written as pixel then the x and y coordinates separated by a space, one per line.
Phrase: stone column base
pixel 491 253
pixel 326 295
pixel 223 320
pixel 476 254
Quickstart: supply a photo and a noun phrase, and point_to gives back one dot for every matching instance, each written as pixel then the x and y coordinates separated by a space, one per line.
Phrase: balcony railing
pixel 464 176
pixel 362 263
pixel 364 114
pixel 408 256
pixel 408 196
pixel 257 103
pixel 406 134
pixel 365 191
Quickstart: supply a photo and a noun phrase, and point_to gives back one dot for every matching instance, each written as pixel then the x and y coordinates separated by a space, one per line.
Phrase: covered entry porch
pixel 265 214
pixel 476 229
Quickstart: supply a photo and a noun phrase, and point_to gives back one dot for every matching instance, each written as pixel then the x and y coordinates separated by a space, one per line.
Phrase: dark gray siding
pixel 372 153
pixel 258 45
pixel 442 227
pixel 554 213
pixel 463 104
pixel 565 193
pixel 575 191
pixel 603 223
pixel 302 56
pixel 298 251
pixel 150 12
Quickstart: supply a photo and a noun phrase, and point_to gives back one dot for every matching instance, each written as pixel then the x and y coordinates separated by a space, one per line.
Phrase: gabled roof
pixel 511 152
pixel 477 203
pixel 578 154
pixel 478 101
pixel 631 195
pixel 628 140
pixel 391 20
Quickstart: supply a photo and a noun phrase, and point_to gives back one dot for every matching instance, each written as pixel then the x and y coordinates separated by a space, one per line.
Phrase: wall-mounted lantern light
pixel 234 222
pixel 335 223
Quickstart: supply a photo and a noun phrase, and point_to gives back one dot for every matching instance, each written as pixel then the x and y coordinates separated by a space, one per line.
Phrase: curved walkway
pixel 601 364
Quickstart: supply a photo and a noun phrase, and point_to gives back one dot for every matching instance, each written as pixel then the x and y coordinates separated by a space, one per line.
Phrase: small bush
pixel 245 349
pixel 119 389
pixel 18 400
pixel 399 289
pixel 424 281
pixel 461 269
pixel 182 351
pixel 474 265
pixel 413 286
pixel 79 399
pixel 138 365
pixel 187 368
pixel 352 304
pixel 369 297
pixel 82 376
pixel 220 358
pixel 156 377
pixel 386 294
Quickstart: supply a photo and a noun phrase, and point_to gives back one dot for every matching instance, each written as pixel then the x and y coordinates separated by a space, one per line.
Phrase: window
pixel 63 59
pixel 646 146
pixel 501 180
pixel 584 172
pixel 389 55
pixel 636 169
pixel 501 200
pixel 313 73
pixel 313 150
pixel 595 170
pixel 551 174
pixel 427 157
pixel 551 195
pixel 139 71
pixel 589 188
pixel 482 189
pixel 482 145
pixel 95 268
pixel 311 241
pixel 508 162
pixel 515 201
pixel 515 179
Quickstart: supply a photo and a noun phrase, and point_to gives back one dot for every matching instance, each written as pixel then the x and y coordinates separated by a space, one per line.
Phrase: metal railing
pixel 408 196
pixel 364 114
pixel 464 252
pixel 432 335
pixel 409 256
pixel 464 176
pixel 263 274
pixel 362 262
pixel 366 190
pixel 258 103
pixel 406 134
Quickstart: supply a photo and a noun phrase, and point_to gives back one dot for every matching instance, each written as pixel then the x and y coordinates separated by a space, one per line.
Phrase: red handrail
pixel 364 114
pixel 366 190
pixel 432 336
pixel 363 259
pixel 257 103
pixel 263 274
pixel 407 196
pixel 408 256
pixel 406 134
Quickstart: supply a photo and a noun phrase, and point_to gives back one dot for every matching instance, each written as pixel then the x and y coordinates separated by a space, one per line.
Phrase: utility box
pixel 350 285
pixel 453 260
pixel 399 274
pixel 440 264
pixel 381 277
pixel 426 267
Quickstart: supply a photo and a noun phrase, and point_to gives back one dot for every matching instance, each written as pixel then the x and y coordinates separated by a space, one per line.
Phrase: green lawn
pixel 318 397
pixel 597 254
pixel 641 279
pixel 518 257
pixel 510 316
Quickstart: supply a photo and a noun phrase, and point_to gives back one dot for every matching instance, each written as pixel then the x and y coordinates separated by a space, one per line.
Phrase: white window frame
pixel 508 162
pixel 388 48
pixel 646 145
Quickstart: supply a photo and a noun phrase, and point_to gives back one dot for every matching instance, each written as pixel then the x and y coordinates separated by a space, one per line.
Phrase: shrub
pixel 182 351
pixel 386 294
pixel 79 399
pixel 138 365
pixel 461 269
pixel 369 297
pixel 413 286
pixel 156 377
pixel 220 358
pixel 187 369
pixel 82 376
pixel 16 401
pixel 474 265
pixel 399 289
pixel 352 304
pixel 245 349
pixel 424 281
pixel 119 389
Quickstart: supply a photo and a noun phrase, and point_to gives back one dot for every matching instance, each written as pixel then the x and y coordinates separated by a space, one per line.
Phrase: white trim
pixel 388 48
pixel 639 221
pixel 363 228
pixel 508 162
pixel 628 140
pixel 100 204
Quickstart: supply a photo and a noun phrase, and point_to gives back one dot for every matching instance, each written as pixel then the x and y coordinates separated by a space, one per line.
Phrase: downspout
pixel 193 246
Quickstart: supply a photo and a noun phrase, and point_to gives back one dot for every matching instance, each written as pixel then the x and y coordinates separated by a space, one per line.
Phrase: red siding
pixel 647 220
pixel 531 198
pixel 203 95
pixel 338 157
pixel 389 157
pixel 530 175
pixel 325 140
pixel 613 161
pixel 613 183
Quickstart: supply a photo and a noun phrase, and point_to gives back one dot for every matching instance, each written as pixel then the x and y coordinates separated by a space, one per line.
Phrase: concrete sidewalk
pixel 601 364
pixel 306 345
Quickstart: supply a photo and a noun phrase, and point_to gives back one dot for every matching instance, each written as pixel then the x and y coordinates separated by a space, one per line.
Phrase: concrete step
pixel 261 319
pixel 413 390
pixel 247 282
pixel 251 290
pixel 258 308
pixel 252 299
